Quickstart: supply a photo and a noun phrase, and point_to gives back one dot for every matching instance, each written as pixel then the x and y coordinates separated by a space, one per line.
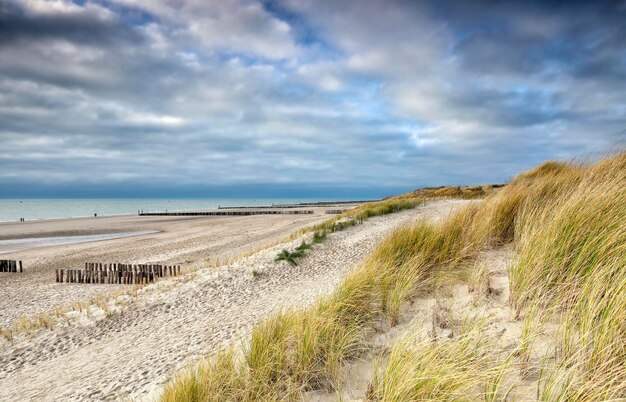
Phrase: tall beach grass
pixel 567 222
pixel 568 225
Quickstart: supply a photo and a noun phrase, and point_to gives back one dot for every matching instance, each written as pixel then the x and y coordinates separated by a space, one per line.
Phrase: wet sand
pixel 17 245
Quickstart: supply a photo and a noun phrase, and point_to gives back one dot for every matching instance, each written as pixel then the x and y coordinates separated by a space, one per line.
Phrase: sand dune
pixel 174 322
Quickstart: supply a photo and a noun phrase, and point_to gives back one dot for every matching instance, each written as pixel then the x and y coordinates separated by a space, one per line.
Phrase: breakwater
pixel 228 213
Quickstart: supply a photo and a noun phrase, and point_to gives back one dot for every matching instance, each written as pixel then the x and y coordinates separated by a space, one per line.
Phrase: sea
pixel 14 209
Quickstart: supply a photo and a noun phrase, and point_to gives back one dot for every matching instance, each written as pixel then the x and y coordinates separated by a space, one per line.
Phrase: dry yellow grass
pixel 568 224
pixel 6 333
pixel 29 325
pixel 302 350
pixel 464 192
pixel 447 370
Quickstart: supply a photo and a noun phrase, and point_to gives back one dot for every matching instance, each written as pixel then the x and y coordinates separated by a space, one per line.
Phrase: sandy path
pixel 179 241
pixel 132 354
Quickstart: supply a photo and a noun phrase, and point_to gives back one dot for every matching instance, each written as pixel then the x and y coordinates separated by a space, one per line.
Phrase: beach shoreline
pixel 28 243
pixel 38 210
pixel 180 240
pixel 109 224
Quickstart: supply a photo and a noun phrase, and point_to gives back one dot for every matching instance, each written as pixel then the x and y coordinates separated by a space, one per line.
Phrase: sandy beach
pixel 177 240
pixel 166 326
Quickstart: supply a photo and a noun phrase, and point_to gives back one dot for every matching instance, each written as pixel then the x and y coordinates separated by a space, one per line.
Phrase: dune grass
pixel 571 255
pixel 363 212
pixel 400 203
pixel 287 354
pixel 448 370
pixel 301 350
pixel 319 236
pixel 292 256
pixel 461 192
pixel 568 224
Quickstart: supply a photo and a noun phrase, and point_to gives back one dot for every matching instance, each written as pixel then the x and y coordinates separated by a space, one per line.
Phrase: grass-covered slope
pixel 567 278
pixel 568 226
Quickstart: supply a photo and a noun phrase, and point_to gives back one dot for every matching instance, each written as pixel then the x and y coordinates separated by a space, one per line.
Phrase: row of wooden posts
pixel 11 266
pixel 299 205
pixel 117 273
pixel 229 213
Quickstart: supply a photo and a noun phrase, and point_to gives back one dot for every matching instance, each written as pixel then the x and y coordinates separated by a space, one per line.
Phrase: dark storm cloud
pixel 83 26
pixel 132 94
pixel 578 38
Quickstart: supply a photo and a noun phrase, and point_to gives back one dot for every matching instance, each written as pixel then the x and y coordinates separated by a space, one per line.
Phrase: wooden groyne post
pixel 230 213
pixel 299 205
pixel 11 266
pixel 116 273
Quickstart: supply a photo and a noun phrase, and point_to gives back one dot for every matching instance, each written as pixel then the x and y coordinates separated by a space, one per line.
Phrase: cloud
pixel 88 24
pixel 236 26
pixel 316 94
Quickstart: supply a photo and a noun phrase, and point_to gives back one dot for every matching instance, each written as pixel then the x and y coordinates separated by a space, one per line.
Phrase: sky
pixel 301 98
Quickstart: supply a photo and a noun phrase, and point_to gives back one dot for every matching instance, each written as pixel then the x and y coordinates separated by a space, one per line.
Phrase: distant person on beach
pixel 95 215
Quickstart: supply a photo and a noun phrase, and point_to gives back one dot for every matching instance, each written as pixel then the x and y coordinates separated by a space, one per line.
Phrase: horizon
pixel 207 192
pixel 300 99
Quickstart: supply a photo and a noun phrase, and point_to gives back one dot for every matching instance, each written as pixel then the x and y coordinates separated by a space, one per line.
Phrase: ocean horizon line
pixel 31 209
